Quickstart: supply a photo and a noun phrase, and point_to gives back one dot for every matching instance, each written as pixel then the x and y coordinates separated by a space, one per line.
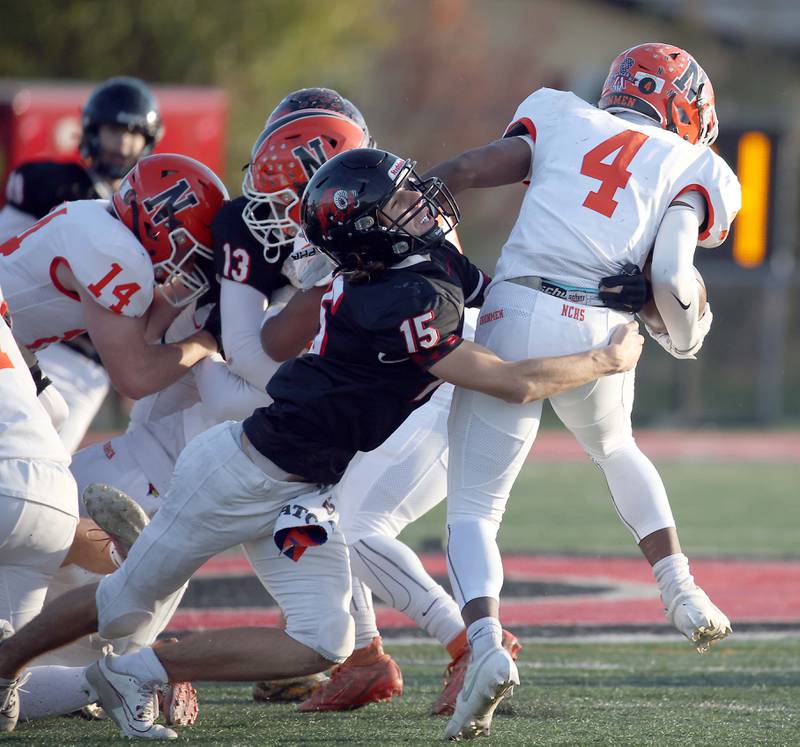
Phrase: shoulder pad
pixel 239 256
pixel 711 176
pixel 110 263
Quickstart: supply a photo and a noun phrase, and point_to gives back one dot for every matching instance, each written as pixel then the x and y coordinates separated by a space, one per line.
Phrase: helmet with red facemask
pixel 168 201
pixel 295 143
pixel 666 84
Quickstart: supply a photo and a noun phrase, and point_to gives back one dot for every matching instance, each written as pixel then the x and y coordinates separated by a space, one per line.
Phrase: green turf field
pixel 742 693
pixel 720 509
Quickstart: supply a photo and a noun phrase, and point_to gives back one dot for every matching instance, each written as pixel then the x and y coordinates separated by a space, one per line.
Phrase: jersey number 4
pixel 614 175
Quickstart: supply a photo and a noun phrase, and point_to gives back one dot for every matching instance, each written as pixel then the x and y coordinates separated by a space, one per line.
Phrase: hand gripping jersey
pixel 599 187
pixel 102 253
pixel 25 428
pixel 368 367
pixel 239 257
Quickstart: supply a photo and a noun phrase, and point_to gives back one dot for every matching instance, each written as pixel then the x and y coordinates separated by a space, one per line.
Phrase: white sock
pixel 395 573
pixel 52 691
pixel 673 577
pixel 143 664
pixel 484 634
pixel 363 614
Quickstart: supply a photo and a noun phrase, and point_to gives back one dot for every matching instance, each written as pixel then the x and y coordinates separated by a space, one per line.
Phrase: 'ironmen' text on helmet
pixel 169 202
pixel 119 101
pixel 368 208
pixel 666 84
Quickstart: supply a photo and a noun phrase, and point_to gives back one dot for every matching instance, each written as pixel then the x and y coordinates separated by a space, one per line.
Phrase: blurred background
pixel 434 77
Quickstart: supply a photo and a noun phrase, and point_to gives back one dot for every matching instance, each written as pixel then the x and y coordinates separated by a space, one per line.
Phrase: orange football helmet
pixel 169 201
pixel 666 84
pixel 285 156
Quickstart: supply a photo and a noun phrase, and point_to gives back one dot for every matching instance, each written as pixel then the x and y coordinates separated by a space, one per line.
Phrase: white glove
pixel 703 326
pixel 307 267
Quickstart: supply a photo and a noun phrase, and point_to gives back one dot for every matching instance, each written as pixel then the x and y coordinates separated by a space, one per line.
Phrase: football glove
pixel 703 325
pixel 627 291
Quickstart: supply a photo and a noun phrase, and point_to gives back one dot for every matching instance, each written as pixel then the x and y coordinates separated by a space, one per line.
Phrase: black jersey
pixel 368 366
pixel 37 187
pixel 239 256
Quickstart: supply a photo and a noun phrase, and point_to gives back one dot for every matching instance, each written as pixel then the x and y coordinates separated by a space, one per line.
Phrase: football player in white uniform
pixel 91 265
pixel 607 183
pixel 120 124
pixel 38 498
pixel 250 482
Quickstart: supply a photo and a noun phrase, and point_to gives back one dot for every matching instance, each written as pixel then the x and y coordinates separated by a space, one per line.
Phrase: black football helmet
pixel 120 101
pixel 346 210
pixel 318 98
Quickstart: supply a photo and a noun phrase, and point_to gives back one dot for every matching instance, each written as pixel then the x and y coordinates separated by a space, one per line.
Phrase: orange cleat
pixel 367 676
pixel 177 702
pixel 454 674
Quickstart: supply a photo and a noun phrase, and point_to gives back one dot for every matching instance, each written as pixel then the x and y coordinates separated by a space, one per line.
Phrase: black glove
pixel 213 325
pixel 628 291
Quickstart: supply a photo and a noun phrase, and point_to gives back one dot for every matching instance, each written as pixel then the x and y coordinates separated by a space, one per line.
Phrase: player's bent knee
pixel 123 624
pixel 331 635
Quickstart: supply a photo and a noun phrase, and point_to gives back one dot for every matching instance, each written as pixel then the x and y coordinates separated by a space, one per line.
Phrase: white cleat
pixel 9 701
pixel 116 513
pixel 487 681
pixel 131 703
pixel 698 618
pixel 9 696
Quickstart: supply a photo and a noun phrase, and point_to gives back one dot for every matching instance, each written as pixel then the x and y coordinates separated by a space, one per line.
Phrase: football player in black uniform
pixel 389 335
pixel 120 124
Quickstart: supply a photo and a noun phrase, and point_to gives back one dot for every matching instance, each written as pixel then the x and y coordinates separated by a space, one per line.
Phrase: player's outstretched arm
pixel 135 367
pixel 474 367
pixel 506 161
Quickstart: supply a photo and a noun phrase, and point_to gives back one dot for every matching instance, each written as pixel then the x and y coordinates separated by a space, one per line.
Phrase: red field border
pixel 748 591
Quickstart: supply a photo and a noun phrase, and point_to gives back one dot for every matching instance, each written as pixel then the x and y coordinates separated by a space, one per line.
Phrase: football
pixel 650 314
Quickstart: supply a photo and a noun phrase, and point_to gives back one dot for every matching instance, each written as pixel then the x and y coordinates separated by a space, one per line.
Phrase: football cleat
pixel 177 701
pixel 367 676
pixel 454 675
pixel 131 703
pixel 116 513
pixel 698 618
pixel 289 690
pixel 9 701
pixel 488 680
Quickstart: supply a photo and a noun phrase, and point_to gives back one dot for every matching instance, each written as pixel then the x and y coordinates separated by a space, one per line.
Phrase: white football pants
pixel 490 439
pixel 82 383
pixel 218 499
pixel 34 537
pixel 381 493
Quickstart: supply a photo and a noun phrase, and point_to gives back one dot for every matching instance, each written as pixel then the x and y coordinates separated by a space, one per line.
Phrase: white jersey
pixel 599 187
pixel 104 256
pixel 25 428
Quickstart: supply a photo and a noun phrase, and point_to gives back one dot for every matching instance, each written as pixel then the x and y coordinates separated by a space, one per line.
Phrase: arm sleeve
pixel 226 396
pixel 673 274
pixel 242 309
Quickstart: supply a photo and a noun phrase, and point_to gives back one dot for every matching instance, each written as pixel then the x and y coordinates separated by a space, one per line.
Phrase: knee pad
pixel 121 625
